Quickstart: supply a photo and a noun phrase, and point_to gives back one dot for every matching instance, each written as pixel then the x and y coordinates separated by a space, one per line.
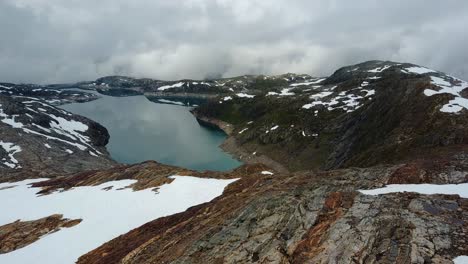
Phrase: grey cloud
pixel 45 41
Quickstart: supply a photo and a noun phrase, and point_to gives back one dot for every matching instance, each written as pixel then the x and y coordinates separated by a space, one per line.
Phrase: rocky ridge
pixel 22 233
pixel 362 115
pixel 38 139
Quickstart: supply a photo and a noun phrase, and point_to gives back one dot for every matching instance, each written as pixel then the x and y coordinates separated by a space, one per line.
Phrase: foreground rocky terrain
pixel 305 218
pixel 321 143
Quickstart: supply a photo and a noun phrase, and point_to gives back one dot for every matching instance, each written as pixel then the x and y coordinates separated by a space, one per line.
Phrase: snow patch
pixel 243 130
pixel 380 69
pixel 460 189
pixel 10 120
pixel 176 85
pixel 267 173
pixel 418 70
pixel 105 214
pixel 461 260
pixel 170 102
pixel 308 83
pixel 458 103
pixel 11 149
pixel 244 95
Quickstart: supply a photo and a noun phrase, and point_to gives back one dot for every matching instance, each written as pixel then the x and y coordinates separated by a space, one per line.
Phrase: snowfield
pixel 460 189
pixel 461 260
pixel 105 214
pixel 418 70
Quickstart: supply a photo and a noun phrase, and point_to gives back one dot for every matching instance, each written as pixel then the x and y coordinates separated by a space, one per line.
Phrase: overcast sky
pixel 49 41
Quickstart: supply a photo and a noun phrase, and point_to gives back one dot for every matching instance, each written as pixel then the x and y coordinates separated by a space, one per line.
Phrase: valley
pixel 330 173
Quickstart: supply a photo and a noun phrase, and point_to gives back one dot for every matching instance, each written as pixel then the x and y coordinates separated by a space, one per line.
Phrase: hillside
pixel 368 165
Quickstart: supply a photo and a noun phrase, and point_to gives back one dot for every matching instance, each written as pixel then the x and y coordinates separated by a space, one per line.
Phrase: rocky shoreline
pixel 231 146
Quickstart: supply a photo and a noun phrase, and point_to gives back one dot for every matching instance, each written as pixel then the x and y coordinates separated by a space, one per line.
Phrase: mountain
pixel 323 157
pixel 362 115
pixel 42 140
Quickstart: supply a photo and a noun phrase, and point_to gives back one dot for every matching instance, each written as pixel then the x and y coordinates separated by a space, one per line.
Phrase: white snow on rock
pixel 461 260
pixel 460 189
pixel 71 129
pixel 9 120
pixel 11 149
pixel 69 126
pixel 418 70
pixel 380 69
pixel 176 85
pixel 308 83
pixel 348 102
pixel 227 98
pixel 320 95
pixel 274 128
pixel 458 103
pixel 243 130
pixel 105 214
pixel 286 92
pixel 267 173
pixel 244 95
pixel 170 102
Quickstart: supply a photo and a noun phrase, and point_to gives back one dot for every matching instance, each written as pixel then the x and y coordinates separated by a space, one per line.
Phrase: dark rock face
pixel 40 140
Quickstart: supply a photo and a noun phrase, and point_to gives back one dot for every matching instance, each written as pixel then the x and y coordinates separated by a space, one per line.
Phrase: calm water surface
pixel 142 130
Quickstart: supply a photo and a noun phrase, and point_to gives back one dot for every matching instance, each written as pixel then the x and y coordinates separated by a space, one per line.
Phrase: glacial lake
pixel 142 130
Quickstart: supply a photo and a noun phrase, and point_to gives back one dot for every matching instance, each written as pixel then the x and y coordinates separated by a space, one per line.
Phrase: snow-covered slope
pixel 107 210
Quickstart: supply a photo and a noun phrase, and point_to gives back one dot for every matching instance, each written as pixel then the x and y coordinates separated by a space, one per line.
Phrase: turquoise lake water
pixel 142 130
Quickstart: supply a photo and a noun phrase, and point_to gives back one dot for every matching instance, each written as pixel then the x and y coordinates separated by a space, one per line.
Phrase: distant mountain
pixel 365 114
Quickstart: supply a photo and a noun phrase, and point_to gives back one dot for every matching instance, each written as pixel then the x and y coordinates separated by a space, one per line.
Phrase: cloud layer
pixel 48 41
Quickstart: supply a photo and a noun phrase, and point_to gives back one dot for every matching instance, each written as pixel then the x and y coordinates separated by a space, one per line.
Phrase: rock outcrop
pixel 304 217
pixel 41 140
pixel 22 233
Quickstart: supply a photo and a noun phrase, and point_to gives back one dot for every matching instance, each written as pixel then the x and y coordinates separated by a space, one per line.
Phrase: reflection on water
pixel 141 130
